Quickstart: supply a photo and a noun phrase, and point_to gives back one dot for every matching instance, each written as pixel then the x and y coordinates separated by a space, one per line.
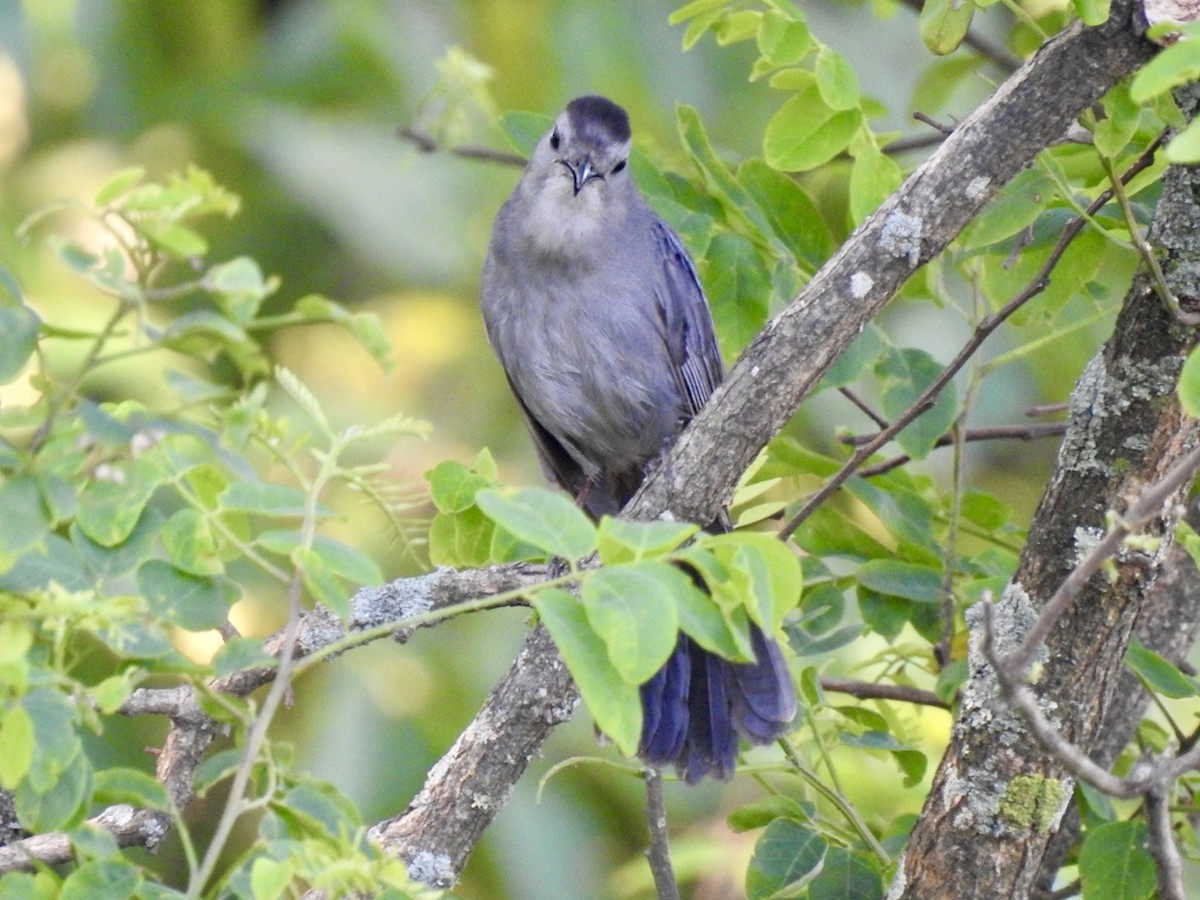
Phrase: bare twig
pixel 866 690
pixel 983 433
pixel 1167 862
pixel 659 852
pixel 998 432
pixel 944 130
pixel 1045 409
pixel 1146 506
pixel 426 144
pixel 863 406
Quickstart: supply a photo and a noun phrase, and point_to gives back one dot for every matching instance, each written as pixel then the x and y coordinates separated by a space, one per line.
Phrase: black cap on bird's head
pixel 591 140
pixel 599 120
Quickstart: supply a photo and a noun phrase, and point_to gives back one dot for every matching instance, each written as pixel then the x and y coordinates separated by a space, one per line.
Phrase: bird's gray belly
pixel 603 387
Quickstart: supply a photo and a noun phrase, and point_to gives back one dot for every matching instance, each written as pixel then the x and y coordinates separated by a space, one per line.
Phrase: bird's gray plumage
pixel 599 320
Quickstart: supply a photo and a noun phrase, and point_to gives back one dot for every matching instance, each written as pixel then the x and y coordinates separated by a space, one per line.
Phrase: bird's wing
pixel 687 322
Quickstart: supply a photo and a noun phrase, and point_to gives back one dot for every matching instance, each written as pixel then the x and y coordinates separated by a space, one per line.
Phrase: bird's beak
pixel 581 173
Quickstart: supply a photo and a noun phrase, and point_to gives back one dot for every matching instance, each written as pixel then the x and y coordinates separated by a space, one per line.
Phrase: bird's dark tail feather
pixel 697 704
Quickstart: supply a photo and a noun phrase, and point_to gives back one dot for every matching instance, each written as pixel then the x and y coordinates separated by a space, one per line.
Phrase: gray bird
pixel 599 320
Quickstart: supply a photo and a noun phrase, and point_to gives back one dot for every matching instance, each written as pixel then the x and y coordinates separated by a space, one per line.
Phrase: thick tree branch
pixel 1128 452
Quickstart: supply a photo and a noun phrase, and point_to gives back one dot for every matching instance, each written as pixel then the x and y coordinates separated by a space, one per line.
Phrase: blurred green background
pixel 294 105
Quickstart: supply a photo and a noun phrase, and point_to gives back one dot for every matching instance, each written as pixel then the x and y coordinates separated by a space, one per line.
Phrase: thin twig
pixel 1163 848
pixel 864 406
pixel 426 144
pixel 981 333
pixel 1046 409
pixel 866 690
pixel 944 130
pixel 658 854
pixel 1019 695
pixel 1145 507
pixel 983 433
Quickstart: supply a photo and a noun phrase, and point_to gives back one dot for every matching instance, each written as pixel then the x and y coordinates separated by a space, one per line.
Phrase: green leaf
pixel 737 26
pixel 19 328
pixel 1189 384
pixel 1114 863
pixel 846 876
pixel 766 810
pixel 110 693
pixel 239 286
pixel 806 133
pixel 940 79
pixel 16 745
pixel 787 855
pixel 1170 68
pixel 862 354
pixel 63 803
pixel 884 614
pixel 739 288
pixel 1184 148
pixel 264 498
pixel 943 24
pixel 340 559
pixel 1158 674
pixel 1092 12
pixel 632 608
pixel 176 240
pixel 794 217
pixel 836 80
pixel 56 743
pixel 547 520
pixel 461 540
pixel 240 653
pixel 905 374
pixel 984 510
pixel 322 582
pixel 615 704
pixel 782 40
pixel 118 184
pixel 1013 210
pixel 765 572
pixel 106 878
pixel 1120 123
pixel 453 486
pixel 130 786
pixel 365 326
pixel 873 178
pixel 189 601
pixel 701 619
pixel 269 878
pixel 622 541
pixel 109 510
pixel 24 524
pixel 190 543
pixel 895 578
pixel 216 766
pixel 694 9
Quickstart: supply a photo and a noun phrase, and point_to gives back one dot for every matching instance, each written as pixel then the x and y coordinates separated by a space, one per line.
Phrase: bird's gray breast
pixel 582 343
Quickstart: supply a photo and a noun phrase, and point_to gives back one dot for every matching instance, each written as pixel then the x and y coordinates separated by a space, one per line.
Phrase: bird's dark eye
pixel 555 140
pixel 618 167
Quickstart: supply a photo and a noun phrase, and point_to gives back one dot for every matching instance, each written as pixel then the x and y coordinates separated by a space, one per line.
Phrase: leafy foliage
pixel 132 521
